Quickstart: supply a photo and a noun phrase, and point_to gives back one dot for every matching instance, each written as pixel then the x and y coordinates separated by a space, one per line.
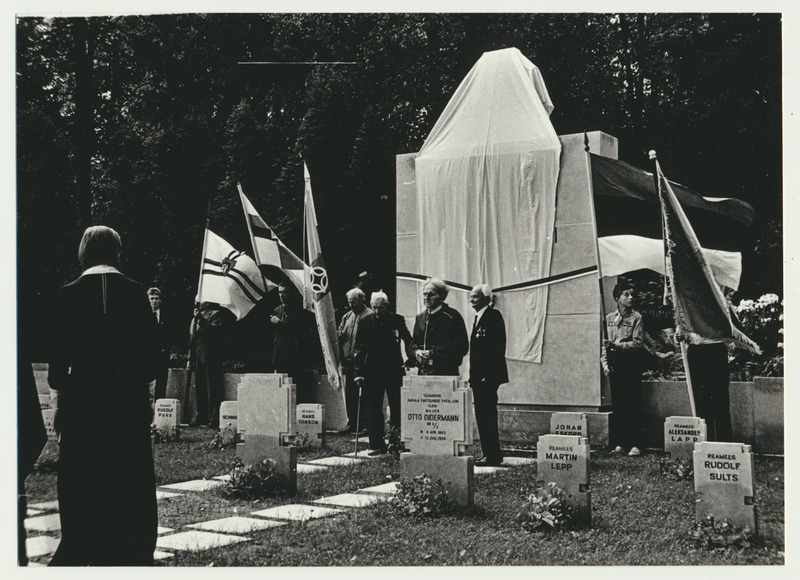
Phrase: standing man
pixel 208 341
pixel 622 360
pixel 487 370
pixel 348 328
pixel 293 344
pixel 440 338
pixel 379 364
pixel 163 342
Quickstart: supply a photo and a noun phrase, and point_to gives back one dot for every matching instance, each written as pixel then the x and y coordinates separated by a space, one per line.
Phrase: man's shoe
pixel 618 450
pixel 374 452
pixel 364 431
pixel 634 452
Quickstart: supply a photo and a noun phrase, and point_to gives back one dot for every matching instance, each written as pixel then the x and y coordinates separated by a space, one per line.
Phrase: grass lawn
pixel 639 517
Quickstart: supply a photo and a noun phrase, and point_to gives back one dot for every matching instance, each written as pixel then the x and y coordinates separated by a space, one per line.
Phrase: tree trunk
pixel 84 135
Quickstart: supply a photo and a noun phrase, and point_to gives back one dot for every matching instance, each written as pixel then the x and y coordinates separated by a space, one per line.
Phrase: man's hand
pixel 679 336
pixel 274 319
pixel 608 345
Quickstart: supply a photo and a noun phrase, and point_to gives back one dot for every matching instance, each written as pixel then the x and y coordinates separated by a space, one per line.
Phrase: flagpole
pixel 594 231
pixel 668 272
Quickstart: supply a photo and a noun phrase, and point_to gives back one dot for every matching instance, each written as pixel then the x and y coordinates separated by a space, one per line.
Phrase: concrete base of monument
pixel 518 424
pixel 457 474
pixel 259 447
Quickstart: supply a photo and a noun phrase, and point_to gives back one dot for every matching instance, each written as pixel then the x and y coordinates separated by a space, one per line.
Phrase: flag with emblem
pixel 229 277
pixel 317 291
pixel 277 262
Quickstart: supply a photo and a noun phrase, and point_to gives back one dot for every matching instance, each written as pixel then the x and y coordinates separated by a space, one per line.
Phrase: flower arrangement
pixel 711 534
pixel 421 497
pixel 546 509
pixel 256 481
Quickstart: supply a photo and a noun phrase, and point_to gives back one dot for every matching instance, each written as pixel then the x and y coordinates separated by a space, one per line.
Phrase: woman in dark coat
pixel 103 357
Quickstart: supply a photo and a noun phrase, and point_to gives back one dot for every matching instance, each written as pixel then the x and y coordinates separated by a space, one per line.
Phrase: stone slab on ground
pixel 195 485
pixel 48 523
pixel 226 477
pixel 519 461
pixel 38 546
pixel 163 530
pixel 45 506
pixel 236 525
pixel 487 469
pixel 308 468
pixel 351 500
pixel 723 482
pixel 390 488
pixel 297 512
pixel 33 513
pixel 456 473
pixel 362 454
pixel 166 494
pixel 159 555
pixel 335 461
pixel 196 540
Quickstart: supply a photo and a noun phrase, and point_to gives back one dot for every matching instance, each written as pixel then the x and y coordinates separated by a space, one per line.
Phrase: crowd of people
pixel 111 353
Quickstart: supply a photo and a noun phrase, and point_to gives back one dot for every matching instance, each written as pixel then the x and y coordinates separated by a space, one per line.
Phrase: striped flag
pixel 229 277
pixel 700 307
pixel 629 227
pixel 277 261
pixel 317 290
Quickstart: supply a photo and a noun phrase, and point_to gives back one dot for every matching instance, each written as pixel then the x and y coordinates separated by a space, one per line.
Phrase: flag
pixel 700 307
pixel 277 261
pixel 317 291
pixel 629 227
pixel 229 277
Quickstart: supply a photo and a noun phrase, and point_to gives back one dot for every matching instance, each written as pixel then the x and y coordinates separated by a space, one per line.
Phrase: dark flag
pixel 700 307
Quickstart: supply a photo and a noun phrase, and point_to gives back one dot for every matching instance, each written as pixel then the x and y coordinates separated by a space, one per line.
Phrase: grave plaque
pixel 436 417
pixel 267 405
pixel 436 423
pixel 681 434
pixel 229 415
pixel 723 481
pixel 167 415
pixel 267 423
pixel 564 459
pixel 310 419
pixel 569 424
pixel 45 402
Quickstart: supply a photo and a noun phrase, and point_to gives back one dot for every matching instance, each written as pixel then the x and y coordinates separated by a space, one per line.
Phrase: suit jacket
pixel 444 334
pixel 377 348
pixel 487 352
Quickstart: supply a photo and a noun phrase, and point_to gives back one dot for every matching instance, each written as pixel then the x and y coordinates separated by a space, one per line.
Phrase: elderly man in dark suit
pixel 487 370
pixel 440 338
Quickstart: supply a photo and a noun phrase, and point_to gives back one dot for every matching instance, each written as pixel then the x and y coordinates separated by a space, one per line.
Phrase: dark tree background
pixel 144 122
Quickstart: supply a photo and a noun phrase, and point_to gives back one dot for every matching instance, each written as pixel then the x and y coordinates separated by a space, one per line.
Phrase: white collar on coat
pixel 101 270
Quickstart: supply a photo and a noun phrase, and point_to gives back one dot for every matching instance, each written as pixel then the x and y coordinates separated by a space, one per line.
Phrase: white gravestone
pixel 436 425
pixel 49 416
pixel 167 416
pixel 268 423
pixel 569 424
pixel 681 434
pixel 564 459
pixel 723 482
pixel 310 421
pixel 435 415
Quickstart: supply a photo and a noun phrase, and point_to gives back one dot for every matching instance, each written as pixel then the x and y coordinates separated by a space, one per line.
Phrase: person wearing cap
pixel 440 338
pixel 378 365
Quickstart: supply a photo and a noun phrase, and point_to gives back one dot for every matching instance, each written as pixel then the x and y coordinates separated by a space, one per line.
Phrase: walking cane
pixel 358 419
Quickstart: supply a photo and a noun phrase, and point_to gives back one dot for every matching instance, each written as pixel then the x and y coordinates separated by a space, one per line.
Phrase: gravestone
pixel 229 415
pixel 436 427
pixel 564 460
pixel 267 423
pixel 723 482
pixel 45 402
pixel 681 434
pixel 569 424
pixel 167 416
pixel 310 422
pixel 49 416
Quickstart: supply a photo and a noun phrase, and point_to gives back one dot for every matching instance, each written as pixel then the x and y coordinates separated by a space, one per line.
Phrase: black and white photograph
pixel 359 287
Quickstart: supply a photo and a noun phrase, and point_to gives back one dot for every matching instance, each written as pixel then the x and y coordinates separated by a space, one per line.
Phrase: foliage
pixel 395 445
pixel 676 469
pixel 302 441
pixel 165 435
pixel 762 321
pixel 150 130
pixel 711 534
pixel 225 438
pixel 256 481
pixel 546 510
pixel 421 497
